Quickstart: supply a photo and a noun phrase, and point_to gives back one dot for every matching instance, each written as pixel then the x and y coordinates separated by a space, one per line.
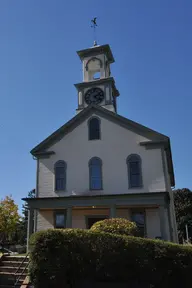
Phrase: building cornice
pixel 95 50
pixel 98 82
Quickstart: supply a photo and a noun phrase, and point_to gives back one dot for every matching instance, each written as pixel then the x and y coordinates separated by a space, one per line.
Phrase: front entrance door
pixel 91 220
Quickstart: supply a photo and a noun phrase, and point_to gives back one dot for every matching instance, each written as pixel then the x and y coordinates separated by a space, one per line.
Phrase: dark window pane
pixel 96 183
pixel 95 174
pixel 94 129
pixel 139 219
pixel 134 158
pixel 60 175
pixel 135 180
pixel 60 171
pixel 60 184
pixel 134 168
pixel 60 163
pixel 95 162
pixel 59 221
pixel 96 171
pixel 91 221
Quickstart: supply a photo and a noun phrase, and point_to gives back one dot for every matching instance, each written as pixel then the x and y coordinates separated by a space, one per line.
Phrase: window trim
pixel 101 164
pixel 93 59
pixel 60 212
pixel 88 123
pixel 65 183
pixel 128 161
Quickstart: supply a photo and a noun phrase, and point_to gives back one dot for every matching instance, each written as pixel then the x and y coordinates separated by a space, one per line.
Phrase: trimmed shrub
pixel 116 226
pixel 67 257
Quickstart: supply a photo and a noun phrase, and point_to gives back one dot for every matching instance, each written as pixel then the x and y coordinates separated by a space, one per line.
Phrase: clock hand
pixel 94 94
pixel 93 99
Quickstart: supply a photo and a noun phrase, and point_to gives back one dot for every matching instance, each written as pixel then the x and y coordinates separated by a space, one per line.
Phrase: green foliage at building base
pixel 71 256
pixel 116 226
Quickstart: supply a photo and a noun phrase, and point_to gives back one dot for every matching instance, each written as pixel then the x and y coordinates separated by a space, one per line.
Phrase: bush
pixel 70 256
pixel 116 226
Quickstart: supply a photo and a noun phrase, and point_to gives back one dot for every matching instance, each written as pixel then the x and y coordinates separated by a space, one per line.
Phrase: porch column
pixel 162 222
pixel 35 220
pixel 170 224
pixel 112 211
pixel 69 218
pixel 30 226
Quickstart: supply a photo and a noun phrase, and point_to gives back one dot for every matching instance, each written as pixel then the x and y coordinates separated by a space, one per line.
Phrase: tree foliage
pixel 22 228
pixel 115 226
pixel 9 218
pixel 183 210
pixel 25 207
pixel 79 258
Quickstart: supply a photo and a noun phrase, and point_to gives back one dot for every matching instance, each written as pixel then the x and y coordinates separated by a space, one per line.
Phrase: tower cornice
pixel 95 50
pixel 98 82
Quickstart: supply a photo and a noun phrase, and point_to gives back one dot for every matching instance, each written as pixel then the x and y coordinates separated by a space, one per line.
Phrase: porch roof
pixel 132 199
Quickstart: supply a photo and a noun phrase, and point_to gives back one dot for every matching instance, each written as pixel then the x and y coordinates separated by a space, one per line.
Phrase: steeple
pixel 98 86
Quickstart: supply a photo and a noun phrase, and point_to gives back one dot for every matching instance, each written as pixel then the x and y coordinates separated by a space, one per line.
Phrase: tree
pixel 22 228
pixel 183 211
pixel 9 219
pixel 25 208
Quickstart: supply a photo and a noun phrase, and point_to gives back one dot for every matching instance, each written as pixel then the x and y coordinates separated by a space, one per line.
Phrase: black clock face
pixel 94 95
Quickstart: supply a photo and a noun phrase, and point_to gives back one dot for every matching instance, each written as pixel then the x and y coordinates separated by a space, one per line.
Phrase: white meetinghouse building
pixel 101 165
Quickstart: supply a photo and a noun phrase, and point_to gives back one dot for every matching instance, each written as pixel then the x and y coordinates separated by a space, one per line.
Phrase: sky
pixel 151 41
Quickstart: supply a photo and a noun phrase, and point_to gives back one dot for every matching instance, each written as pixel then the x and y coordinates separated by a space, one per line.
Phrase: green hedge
pixel 116 226
pixel 71 256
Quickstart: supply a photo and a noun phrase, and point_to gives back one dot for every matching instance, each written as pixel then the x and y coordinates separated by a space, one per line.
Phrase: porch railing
pixel 19 275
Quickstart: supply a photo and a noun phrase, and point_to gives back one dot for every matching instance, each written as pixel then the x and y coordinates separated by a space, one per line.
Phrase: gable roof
pixel 154 136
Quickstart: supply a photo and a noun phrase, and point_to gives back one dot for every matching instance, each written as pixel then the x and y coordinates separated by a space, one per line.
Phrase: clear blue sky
pixel 152 44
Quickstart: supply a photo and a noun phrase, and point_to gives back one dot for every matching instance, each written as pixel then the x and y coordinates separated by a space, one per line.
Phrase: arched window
pixel 95 174
pixel 94 128
pixel 60 175
pixel 93 66
pixel 134 171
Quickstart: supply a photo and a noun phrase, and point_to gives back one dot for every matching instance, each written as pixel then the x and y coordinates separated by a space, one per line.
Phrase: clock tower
pixel 98 87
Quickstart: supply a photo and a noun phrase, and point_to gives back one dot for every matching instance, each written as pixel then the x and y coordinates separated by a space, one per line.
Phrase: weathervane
pixel 94 25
